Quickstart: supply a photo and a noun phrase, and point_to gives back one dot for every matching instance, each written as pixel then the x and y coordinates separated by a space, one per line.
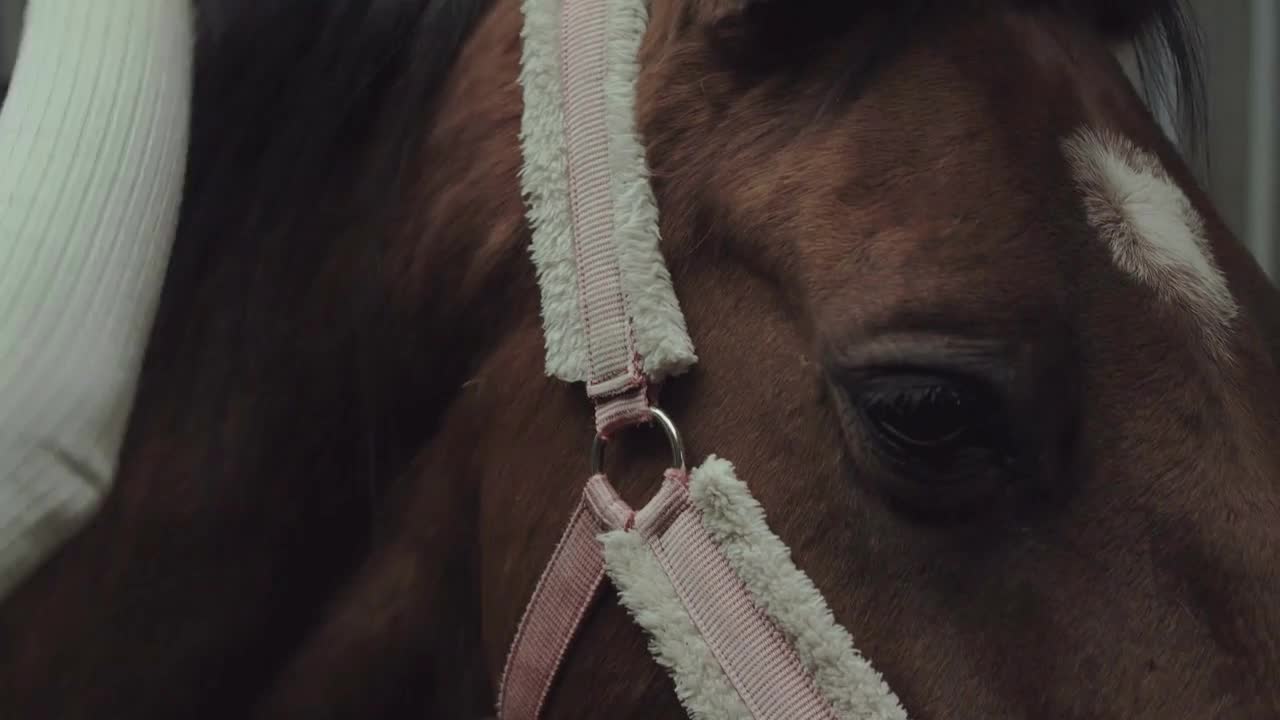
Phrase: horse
pixel 996 369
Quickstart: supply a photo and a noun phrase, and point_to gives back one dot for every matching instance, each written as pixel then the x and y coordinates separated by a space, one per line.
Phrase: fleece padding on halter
pixel 742 631
pixel 609 311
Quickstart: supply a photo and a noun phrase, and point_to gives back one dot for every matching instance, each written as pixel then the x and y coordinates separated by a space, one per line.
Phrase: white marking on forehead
pixel 1152 230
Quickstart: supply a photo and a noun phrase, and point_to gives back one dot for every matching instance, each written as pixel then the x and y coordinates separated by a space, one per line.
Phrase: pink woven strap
pixel 616 379
pixel 564 593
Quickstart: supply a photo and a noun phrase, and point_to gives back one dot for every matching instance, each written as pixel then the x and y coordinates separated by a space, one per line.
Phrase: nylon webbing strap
pixel 616 380
pixel 564 593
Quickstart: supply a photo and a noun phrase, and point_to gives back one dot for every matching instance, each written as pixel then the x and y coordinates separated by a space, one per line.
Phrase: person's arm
pixel 93 138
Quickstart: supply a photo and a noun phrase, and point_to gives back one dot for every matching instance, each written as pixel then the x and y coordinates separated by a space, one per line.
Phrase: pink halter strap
pixel 755 657
pixel 611 320
pixel 564 593
pixel 615 379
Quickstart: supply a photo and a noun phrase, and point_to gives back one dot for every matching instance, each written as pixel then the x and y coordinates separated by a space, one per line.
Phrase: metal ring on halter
pixel 668 428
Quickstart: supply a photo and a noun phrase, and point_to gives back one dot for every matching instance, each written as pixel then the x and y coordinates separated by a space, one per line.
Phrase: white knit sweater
pixel 93 138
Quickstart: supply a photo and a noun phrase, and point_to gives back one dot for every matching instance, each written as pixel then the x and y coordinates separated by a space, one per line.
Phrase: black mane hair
pixel 1162 34
pixel 305 117
pixel 1169 54
pixel 274 402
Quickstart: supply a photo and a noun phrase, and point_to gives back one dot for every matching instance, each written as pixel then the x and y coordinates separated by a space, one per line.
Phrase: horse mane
pixel 306 119
pixel 1163 34
pixel 1167 48
pixel 282 392
pixel 299 101
pixel 1169 55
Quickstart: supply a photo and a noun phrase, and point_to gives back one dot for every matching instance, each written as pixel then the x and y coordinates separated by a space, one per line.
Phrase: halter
pixel 742 632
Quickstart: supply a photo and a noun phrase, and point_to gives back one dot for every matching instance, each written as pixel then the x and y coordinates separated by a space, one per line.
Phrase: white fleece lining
pixel 546 188
pixel 654 312
pixel 660 334
pixel 674 641
pixel 786 595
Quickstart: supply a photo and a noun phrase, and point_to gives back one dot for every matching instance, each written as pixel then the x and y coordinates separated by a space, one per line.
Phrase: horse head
pixel 979 344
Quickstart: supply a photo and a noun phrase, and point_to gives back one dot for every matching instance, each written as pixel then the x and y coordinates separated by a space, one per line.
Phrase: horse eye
pixel 931 419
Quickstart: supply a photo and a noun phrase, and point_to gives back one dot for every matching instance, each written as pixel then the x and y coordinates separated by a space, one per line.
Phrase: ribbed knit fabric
pixel 93 139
